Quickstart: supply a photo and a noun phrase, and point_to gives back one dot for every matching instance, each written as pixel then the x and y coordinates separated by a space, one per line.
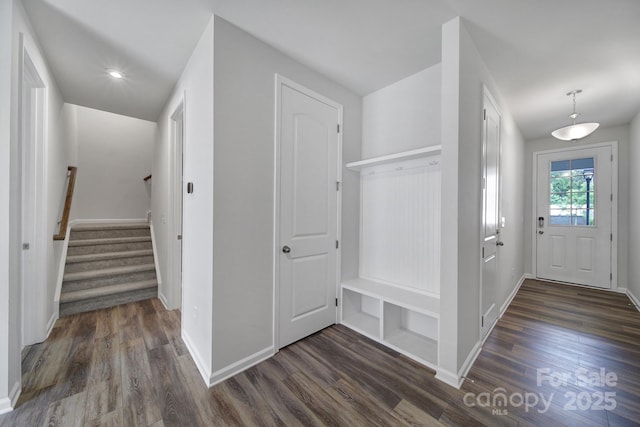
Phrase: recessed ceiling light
pixel 115 74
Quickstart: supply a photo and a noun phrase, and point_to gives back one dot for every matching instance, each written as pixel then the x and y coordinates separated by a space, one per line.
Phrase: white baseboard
pixel 449 378
pixel 241 365
pixel 8 403
pixel 51 323
pixel 157 263
pixel 471 358
pixel 203 367
pixel 453 379
pixel 163 299
pixel 634 299
pixel 512 295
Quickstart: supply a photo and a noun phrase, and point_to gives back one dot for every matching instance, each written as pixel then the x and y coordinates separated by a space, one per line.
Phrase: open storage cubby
pixel 361 313
pixel 411 332
pixel 399 318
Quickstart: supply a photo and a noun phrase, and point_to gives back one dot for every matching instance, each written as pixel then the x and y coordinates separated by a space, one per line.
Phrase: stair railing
pixel 64 222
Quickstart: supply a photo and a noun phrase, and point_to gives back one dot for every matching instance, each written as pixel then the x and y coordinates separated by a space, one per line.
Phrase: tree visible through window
pixel 572 192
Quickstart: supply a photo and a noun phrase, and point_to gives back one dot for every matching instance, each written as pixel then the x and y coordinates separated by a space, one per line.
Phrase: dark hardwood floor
pixel 560 355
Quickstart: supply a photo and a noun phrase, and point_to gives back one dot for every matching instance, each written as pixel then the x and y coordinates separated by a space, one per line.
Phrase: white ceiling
pixel 537 50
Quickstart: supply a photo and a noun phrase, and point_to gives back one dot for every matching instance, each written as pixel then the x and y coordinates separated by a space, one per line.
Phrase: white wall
pixel 617 133
pixel 402 116
pixel 244 190
pixel 9 350
pixel 633 280
pixel 55 163
pixel 196 86
pixel 463 76
pixel 114 154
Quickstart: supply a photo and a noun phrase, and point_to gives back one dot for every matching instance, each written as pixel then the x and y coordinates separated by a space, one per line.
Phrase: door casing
pixel 33 196
pixel 614 206
pixel 177 132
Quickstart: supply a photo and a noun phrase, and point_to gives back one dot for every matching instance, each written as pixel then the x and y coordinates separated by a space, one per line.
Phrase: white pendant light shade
pixel 574 132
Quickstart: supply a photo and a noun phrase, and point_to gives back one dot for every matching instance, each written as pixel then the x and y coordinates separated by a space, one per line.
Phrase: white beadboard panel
pixel 400 224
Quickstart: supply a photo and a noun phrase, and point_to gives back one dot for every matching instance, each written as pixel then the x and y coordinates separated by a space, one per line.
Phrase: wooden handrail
pixel 146 178
pixel 67 205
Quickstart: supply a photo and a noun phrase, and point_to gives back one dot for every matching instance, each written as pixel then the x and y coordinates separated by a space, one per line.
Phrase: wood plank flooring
pixel 127 366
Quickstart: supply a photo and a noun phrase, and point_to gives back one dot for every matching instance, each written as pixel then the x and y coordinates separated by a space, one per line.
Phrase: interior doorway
pixel 31 190
pixel 177 143
pixel 308 169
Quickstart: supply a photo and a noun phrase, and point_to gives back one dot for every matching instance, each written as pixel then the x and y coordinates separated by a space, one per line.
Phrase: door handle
pixel 286 249
pixel 499 243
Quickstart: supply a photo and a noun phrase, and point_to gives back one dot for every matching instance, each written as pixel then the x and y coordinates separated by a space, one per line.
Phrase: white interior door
pixel 574 216
pixel 490 232
pixel 308 254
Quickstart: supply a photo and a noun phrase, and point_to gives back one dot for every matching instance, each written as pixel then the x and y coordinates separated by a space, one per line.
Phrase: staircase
pixel 107 265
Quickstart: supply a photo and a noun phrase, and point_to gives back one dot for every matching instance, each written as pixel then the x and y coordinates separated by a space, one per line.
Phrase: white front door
pixel 490 232
pixel 574 216
pixel 309 147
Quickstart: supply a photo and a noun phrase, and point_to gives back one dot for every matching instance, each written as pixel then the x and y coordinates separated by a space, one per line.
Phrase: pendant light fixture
pixel 575 131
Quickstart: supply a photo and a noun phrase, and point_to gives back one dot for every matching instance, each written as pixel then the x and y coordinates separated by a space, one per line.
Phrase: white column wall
pixel 196 86
pixel 463 76
pixel 633 280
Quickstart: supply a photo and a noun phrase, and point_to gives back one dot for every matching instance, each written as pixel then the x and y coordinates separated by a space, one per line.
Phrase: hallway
pixel 128 366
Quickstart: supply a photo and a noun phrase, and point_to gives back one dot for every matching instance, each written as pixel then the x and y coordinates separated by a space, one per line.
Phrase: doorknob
pixel 286 249
pixel 499 243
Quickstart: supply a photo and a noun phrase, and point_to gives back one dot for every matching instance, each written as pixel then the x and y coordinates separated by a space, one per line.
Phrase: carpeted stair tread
pixel 109 241
pixel 72 259
pixel 85 294
pixel 106 272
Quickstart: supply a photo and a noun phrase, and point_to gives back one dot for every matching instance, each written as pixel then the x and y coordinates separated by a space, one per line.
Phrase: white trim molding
pixel 203 367
pixel 241 365
pixel 634 299
pixel 8 403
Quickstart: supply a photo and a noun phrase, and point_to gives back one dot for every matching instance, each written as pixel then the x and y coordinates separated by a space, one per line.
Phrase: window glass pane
pixel 580 181
pixel 562 165
pixel 578 217
pixel 560 200
pixel 586 163
pixel 560 217
pixel 560 184
pixel 572 192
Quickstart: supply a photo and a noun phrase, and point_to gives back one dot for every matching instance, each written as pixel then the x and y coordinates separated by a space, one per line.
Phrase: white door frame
pixel 279 82
pixel 33 196
pixel 614 205
pixel 176 189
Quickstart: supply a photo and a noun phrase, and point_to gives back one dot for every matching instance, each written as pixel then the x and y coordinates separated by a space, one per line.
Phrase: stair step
pixel 105 227
pixel 85 294
pixel 107 272
pixel 109 241
pixel 72 259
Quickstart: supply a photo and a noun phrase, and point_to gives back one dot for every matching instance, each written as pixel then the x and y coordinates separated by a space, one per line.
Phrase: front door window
pixel 572 195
